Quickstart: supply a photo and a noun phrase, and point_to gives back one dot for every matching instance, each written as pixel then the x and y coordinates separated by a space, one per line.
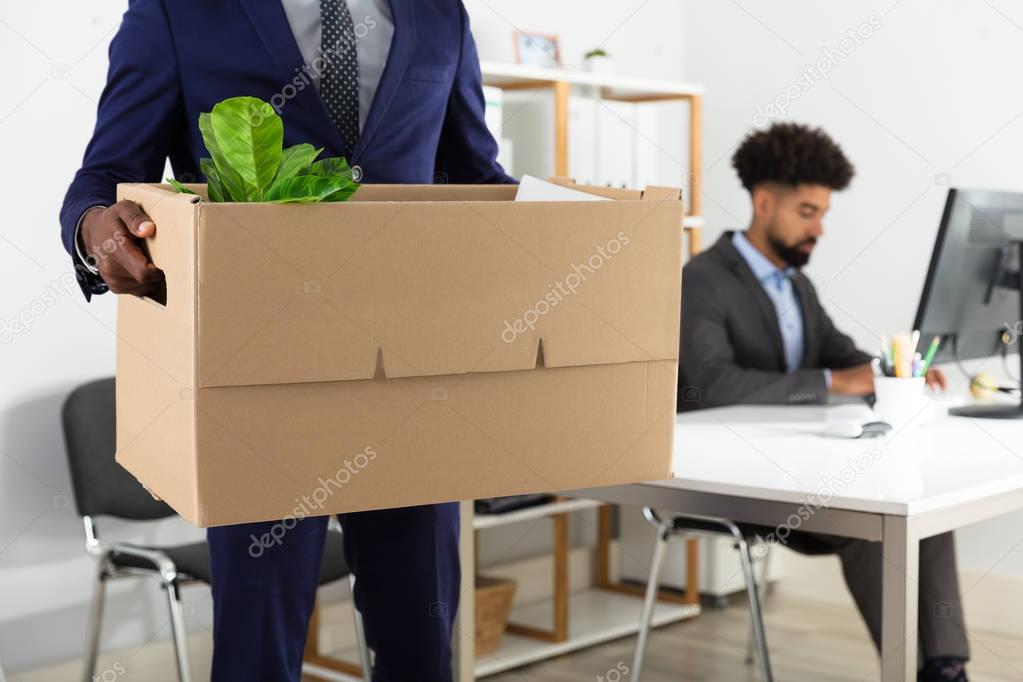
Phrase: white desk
pixel 766 464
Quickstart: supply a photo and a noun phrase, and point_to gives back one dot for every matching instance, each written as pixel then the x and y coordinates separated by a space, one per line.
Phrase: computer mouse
pixel 843 429
pixel 876 428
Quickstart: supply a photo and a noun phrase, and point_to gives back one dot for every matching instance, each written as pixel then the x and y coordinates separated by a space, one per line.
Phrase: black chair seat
pixel 194 560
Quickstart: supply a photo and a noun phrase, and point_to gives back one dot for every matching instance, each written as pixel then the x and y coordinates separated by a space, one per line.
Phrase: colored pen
pixel 929 358
pixel 897 355
pixel 886 355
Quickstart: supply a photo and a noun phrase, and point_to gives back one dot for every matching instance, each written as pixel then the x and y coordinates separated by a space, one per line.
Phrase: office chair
pixel 102 487
pixel 686 526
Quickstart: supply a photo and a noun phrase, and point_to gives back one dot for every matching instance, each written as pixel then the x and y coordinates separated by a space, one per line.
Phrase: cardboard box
pixel 417 344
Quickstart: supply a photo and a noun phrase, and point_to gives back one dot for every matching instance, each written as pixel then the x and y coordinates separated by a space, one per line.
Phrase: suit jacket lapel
pixel 403 45
pixel 801 285
pixel 763 302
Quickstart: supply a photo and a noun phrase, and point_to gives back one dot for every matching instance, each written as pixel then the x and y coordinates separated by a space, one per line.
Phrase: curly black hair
pixel 791 154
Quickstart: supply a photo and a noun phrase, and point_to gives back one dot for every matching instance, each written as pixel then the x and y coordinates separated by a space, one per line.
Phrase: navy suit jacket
pixel 172 60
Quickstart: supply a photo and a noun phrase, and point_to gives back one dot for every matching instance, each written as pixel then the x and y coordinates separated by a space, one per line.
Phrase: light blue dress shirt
pixel 778 285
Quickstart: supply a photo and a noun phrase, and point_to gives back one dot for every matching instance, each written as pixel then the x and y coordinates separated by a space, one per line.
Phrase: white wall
pixel 931 97
pixel 54 63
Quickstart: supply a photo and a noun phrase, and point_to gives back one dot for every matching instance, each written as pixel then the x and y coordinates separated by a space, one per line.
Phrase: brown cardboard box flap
pixel 386 287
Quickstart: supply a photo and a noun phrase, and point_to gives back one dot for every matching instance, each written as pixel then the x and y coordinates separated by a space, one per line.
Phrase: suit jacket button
pixel 357 173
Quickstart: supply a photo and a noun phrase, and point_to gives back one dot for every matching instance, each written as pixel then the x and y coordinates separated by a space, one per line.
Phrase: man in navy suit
pixel 394 86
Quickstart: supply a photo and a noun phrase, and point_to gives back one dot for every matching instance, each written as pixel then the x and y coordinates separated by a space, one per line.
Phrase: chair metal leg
pixel 360 635
pixel 754 607
pixel 763 586
pixel 650 600
pixel 95 624
pixel 178 631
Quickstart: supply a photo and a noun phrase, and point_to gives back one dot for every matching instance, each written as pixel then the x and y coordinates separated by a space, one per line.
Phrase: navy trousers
pixel 406 588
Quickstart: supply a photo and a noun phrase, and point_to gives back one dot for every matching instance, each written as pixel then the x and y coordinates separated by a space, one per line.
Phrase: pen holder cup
pixel 901 401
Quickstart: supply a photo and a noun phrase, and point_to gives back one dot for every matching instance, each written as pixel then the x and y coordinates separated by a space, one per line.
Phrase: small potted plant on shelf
pixel 597 60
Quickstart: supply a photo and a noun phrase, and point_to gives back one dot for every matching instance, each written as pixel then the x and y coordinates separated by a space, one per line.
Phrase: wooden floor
pixel 809 641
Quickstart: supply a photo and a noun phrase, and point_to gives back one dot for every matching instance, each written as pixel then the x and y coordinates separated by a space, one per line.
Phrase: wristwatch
pixel 80 247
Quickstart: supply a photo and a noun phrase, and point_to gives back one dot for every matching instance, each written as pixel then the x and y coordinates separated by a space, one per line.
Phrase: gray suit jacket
pixel 731 347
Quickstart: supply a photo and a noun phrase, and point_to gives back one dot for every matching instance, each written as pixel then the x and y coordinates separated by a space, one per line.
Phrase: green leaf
pixel 308 189
pixel 245 138
pixel 295 159
pixel 214 185
pixel 331 166
pixel 178 187
pixel 233 188
pixel 343 194
pixel 250 135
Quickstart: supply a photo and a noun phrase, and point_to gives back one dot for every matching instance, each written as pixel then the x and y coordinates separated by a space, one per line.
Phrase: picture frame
pixel 537 49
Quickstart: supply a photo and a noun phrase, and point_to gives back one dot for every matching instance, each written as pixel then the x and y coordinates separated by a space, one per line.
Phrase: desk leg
pixel 900 594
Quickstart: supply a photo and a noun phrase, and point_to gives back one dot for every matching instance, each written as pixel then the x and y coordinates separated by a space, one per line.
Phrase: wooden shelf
pixel 561 80
pixel 540 511
pixel 623 88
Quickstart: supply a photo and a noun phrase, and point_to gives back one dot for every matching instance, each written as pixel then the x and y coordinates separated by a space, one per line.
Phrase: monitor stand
pixel 989 411
pixel 1003 411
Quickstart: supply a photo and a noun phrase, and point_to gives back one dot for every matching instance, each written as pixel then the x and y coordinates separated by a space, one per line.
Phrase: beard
pixel 791 254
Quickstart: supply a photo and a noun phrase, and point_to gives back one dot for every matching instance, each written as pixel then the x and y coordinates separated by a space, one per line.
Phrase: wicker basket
pixel 493 603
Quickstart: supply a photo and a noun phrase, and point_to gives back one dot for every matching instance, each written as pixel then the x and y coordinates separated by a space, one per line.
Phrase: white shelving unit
pixel 594 615
pixel 562 80
pixel 483 521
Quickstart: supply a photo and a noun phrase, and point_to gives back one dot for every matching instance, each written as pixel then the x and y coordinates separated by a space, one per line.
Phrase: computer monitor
pixel 971 297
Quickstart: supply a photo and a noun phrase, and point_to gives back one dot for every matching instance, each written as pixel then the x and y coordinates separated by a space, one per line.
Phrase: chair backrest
pixel 100 484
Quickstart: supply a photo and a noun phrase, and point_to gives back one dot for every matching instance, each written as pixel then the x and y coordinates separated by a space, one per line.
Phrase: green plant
pixel 245 139
pixel 596 52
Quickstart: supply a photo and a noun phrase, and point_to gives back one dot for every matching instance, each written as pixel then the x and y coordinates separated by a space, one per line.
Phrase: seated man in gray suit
pixel 753 331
